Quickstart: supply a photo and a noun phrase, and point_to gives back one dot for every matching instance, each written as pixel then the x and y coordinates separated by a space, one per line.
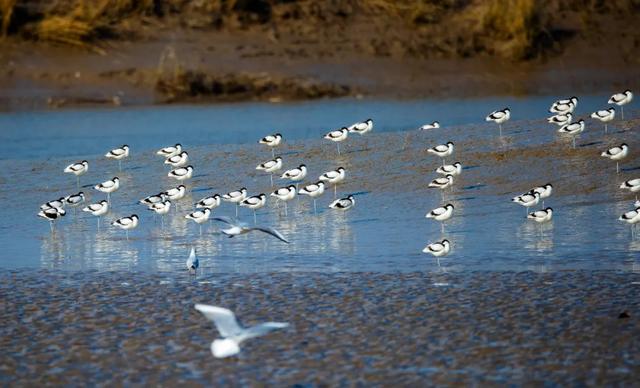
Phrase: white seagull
pixel 334 177
pixel 450 169
pixel 108 187
pixel 617 153
pixel 77 169
pixel 561 119
pixel 285 194
pixel 178 160
pixel 199 217
pixel 237 228
pixel 192 261
pixel 168 152
pixel 442 150
pixel 632 217
pixel 362 127
pixel 343 204
pixel 97 209
pixel 210 202
pixel 573 129
pixel 433 125
pixel 118 154
pixel 254 203
pixel 126 223
pixel 621 99
pixel 313 190
pixel 499 117
pixel 235 197
pixel 232 334
pixel 438 249
pixel 270 166
pixel 161 208
pixel 338 136
pixel 271 141
pixel 441 214
pixel 181 173
pixel 604 116
pixel 52 214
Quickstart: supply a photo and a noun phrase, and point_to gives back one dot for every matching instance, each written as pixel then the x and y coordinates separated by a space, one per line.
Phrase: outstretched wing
pixel 226 220
pixel 272 232
pixel 264 328
pixel 224 319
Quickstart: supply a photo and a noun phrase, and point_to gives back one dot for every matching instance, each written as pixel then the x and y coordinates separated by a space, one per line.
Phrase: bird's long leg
pixel 51 226
pixel 285 209
pixel 574 142
pixel 200 225
pixel 98 223
pixel 127 234
pixel 255 219
pixel 271 176
pixel 119 164
pixel 338 148
pixel 236 210
pixel 273 152
pixel 438 261
pixel 605 127
pixel 335 190
pixel 109 198
pixel 314 206
pixel 162 221
pixel 442 227
pixel 622 112
pixel 500 126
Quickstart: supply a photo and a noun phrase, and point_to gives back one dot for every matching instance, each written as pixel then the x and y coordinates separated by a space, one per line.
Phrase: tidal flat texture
pixel 346 328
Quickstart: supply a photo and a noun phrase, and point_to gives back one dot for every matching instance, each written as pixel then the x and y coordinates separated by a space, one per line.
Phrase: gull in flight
pixel 232 333
pixel 237 228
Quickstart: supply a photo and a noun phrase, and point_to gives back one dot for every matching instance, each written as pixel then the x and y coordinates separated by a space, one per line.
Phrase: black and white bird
pixel 433 125
pixel 210 202
pixel 527 200
pixel 450 169
pixel 313 190
pixel 254 203
pixel 161 208
pixel 438 249
pixel 175 194
pixel 77 169
pixel 338 136
pixel 52 214
pixel 441 214
pixel 181 173
pixel 74 200
pixel 362 127
pixel 637 204
pixel 199 217
pixel 285 194
pixel 343 204
pixel 192 261
pixel 170 151
pixel 108 187
pixel 617 153
pixel 178 160
pixel 632 218
pixel 237 228
pixel 442 150
pixel 442 183
pixel 334 177
pixel 118 154
pixel 235 197
pixel 632 185
pixel 621 99
pixel 604 116
pixel 541 216
pixel 295 174
pixel 126 223
pixel 499 117
pixel 97 209
pixel 270 166
pixel 544 191
pixel 564 106
pixel 573 130
pixel 271 141
pixel 231 332
pixel 150 200
pixel 561 119
pixel 57 203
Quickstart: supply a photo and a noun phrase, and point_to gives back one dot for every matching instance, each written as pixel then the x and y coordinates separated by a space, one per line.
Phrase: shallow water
pixel 389 173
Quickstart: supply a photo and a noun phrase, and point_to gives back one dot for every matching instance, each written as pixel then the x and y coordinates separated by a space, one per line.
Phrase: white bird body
pixel 161 208
pixel 97 209
pixel 528 199
pixel 181 173
pixel 541 215
pixel 231 332
pixel 170 151
pixel 572 128
pixel 313 190
pixel 126 223
pixel 178 160
pixel 271 140
pixel 362 127
pixel 343 204
pixel 442 182
pixel 442 150
pixel 237 228
pixel 544 191
pixel 108 186
pixel 255 202
pixel 74 200
pixel 566 105
pixel 433 125
pixel 199 216
pixel 52 214
pixel 438 249
pixel 77 169
pixel 57 203
pixel 150 200
pixel 176 193
pixel 192 261
pixel 235 196
pixel 632 185
pixel 616 153
pixel 631 217
pixel 338 135
pixel 334 176
pixel 285 193
pixel 118 153
pixel 621 98
pixel 604 115
pixel 295 174
pixel 450 169
pixel 442 213
pixel 561 119
pixel 270 165
pixel 210 202
pixel 499 116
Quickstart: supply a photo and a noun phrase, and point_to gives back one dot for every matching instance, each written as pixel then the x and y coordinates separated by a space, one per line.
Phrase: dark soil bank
pixel 442 328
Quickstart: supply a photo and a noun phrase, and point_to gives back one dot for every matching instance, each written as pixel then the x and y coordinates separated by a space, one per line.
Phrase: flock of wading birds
pixel 233 334
pixel 176 157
